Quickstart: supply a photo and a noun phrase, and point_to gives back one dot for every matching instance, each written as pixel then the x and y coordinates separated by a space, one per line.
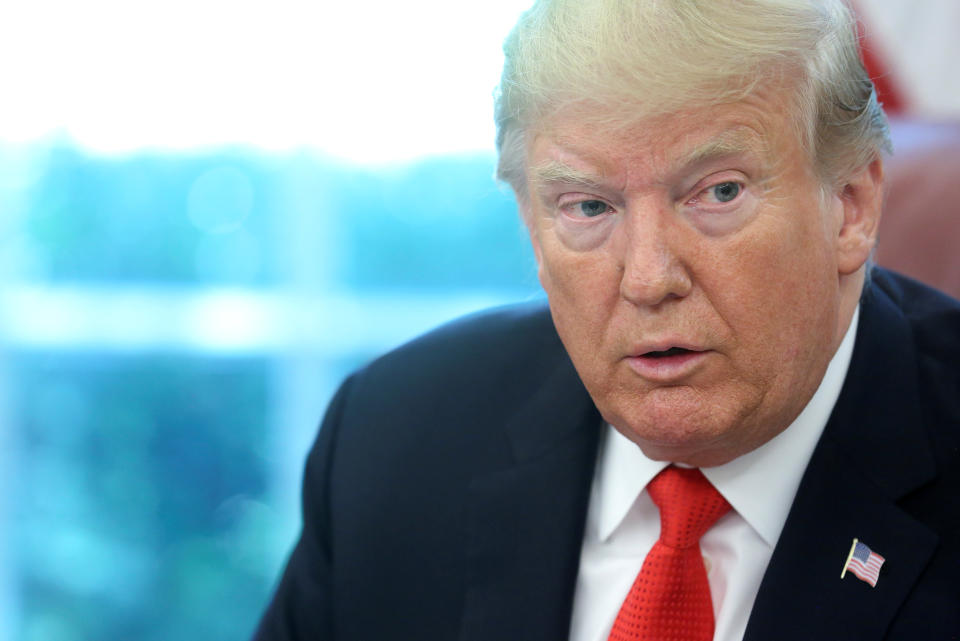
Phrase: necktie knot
pixel 689 505
pixel 670 598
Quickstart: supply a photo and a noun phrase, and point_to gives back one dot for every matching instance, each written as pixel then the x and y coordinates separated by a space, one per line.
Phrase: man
pixel 702 183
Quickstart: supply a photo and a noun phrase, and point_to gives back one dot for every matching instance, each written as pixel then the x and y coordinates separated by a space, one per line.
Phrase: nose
pixel 651 265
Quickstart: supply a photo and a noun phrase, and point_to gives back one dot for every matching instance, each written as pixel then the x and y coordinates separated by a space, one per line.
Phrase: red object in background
pixel 888 92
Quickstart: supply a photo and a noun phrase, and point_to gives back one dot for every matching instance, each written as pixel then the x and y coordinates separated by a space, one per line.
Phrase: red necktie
pixel 670 598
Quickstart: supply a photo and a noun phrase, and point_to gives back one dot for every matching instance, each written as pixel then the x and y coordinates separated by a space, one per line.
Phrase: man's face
pixel 695 272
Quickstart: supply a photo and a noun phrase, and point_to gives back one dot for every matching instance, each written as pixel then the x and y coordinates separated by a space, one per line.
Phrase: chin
pixel 681 425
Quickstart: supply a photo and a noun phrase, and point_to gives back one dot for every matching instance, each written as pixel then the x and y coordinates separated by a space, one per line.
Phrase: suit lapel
pixel 872 453
pixel 527 520
pixel 802 595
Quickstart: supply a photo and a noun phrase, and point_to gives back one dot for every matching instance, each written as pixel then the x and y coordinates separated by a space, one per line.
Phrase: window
pixel 209 214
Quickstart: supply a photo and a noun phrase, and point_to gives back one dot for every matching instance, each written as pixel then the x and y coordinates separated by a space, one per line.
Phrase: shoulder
pixel 449 394
pixel 486 354
pixel 932 316
pixel 526 325
pixel 932 320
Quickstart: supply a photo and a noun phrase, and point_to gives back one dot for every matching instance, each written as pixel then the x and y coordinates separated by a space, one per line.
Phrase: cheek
pixel 780 299
pixel 582 288
pixel 576 278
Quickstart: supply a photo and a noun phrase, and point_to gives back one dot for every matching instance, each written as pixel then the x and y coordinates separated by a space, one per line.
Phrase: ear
pixel 861 200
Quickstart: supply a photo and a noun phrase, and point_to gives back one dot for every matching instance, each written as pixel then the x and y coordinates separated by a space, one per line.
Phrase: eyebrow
pixel 711 150
pixel 554 172
pixel 729 143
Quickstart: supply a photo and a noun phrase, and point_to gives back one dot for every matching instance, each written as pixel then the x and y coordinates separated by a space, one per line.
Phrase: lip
pixel 666 369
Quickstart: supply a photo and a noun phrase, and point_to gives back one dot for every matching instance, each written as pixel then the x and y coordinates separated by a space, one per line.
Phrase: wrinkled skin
pixel 708 231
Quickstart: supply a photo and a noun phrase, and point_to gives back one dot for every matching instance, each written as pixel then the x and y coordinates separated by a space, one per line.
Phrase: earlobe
pixel 862 201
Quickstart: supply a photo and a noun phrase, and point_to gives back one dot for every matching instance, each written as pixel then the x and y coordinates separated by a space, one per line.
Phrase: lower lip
pixel 666 368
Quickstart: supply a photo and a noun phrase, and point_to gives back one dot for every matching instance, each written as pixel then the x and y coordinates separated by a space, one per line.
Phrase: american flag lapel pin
pixel 863 562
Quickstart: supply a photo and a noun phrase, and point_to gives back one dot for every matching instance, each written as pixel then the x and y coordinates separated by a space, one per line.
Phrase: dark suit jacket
pixel 446 495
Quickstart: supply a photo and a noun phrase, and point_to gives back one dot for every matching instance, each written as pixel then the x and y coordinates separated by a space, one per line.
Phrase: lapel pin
pixel 863 562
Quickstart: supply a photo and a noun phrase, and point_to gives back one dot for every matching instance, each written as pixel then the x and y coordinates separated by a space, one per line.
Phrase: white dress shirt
pixel 623 523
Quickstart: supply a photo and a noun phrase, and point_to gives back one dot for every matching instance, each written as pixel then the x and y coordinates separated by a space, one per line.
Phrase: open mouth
pixel 673 351
pixel 667 365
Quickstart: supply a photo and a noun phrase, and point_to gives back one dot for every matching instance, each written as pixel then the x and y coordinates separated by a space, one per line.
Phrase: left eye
pixel 725 192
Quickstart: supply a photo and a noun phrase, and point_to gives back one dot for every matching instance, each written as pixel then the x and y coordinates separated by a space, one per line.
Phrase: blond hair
pixel 633 59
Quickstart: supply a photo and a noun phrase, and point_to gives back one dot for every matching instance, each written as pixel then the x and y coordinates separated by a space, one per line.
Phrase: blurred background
pixel 211 212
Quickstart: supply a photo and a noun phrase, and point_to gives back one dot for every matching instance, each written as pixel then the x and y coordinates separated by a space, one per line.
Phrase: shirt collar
pixel 777 465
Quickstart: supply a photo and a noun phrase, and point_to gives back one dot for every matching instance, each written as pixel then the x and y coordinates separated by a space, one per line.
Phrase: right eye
pixel 590 208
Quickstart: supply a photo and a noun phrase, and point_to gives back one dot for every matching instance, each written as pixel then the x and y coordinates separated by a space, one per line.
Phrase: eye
pixel 591 208
pixel 724 192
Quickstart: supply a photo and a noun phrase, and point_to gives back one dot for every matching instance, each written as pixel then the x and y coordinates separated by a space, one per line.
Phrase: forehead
pixel 760 127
